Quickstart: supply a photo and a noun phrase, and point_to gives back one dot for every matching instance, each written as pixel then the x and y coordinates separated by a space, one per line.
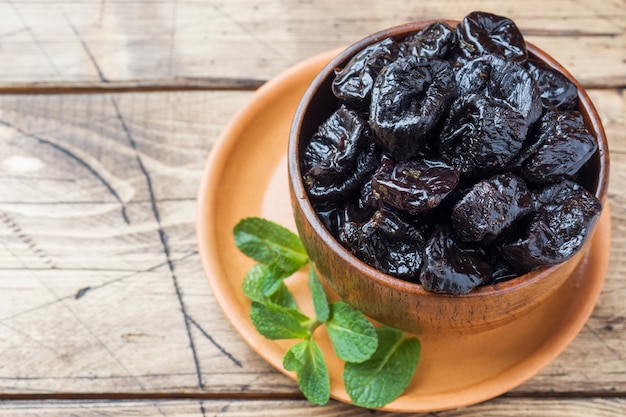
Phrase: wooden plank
pixel 58 43
pixel 93 300
pixel 518 407
pixel 98 294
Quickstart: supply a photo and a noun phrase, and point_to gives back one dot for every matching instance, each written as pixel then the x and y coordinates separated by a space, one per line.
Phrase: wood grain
pixel 101 286
pixel 104 308
pixel 519 407
pixel 83 44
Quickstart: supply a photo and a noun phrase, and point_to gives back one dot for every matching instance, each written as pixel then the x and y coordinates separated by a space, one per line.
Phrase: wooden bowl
pixel 403 304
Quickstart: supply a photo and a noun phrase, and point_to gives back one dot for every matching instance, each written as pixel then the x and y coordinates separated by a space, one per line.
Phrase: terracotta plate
pixel 246 175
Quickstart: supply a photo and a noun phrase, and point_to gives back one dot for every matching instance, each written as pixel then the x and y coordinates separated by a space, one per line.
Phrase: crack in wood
pixel 217 345
pixel 162 238
pixel 76 159
pixel 604 342
pixel 246 29
pixel 202 409
pixel 76 317
pixel 95 287
pixel 91 56
pixel 35 39
pixel 17 231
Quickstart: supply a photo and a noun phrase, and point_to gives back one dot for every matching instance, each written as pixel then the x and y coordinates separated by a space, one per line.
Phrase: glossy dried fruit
pixel 448 133
pixel 482 135
pixel 482 33
pixel 556 90
pixel 338 156
pixel 565 145
pixel 436 40
pixel 353 83
pixel 414 186
pixel 409 97
pixel 451 266
pixel 385 241
pixel 559 228
pixel 491 206
pixel 497 78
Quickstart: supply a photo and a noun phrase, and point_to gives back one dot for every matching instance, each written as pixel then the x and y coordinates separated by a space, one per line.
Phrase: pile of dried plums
pixel 453 159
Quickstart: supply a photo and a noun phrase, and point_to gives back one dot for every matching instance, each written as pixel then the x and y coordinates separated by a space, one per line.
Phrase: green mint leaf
pixel 262 282
pixel 351 333
pixel 320 302
pixel 273 276
pixel 294 358
pixel 269 243
pixel 277 322
pixel 383 377
pixel 252 283
pixel 307 360
pixel 284 298
pixel 262 285
pixel 252 288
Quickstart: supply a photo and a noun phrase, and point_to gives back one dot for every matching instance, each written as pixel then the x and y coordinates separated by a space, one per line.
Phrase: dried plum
pixel 414 186
pixel 482 33
pixel 556 90
pixel 451 266
pixel 409 97
pixel 353 83
pixel 565 146
pixel 338 156
pixel 457 134
pixel 386 242
pixel 482 134
pixel 557 230
pixel 491 206
pixel 434 41
pixel 497 78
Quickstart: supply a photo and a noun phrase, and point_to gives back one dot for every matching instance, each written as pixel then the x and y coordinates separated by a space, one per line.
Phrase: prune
pixel 329 214
pixel 494 77
pixel 482 134
pixel 483 33
pixel 386 242
pixel 459 135
pixel 556 90
pixel 557 230
pixel 565 146
pixel 473 77
pixel 414 186
pixel 451 266
pixel 367 199
pixel 502 270
pixel 353 83
pixel 488 123
pixel 338 156
pixel 491 206
pixel 409 97
pixel 434 41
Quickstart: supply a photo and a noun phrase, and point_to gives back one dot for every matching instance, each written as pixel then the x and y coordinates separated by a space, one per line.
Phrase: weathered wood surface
pixel 238 42
pixel 89 302
pixel 518 407
pixel 101 289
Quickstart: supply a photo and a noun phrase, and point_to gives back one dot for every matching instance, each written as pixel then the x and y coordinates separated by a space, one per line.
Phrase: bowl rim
pixel 301 199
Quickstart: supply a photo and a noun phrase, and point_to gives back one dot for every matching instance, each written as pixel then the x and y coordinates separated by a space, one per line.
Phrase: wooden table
pixel 107 114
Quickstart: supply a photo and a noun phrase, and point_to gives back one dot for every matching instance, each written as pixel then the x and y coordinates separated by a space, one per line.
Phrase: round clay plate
pixel 246 175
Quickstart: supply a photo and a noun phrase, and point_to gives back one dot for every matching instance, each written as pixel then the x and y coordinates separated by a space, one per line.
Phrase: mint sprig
pixel 307 360
pixel 352 335
pixel 384 376
pixel 271 244
pixel 379 363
